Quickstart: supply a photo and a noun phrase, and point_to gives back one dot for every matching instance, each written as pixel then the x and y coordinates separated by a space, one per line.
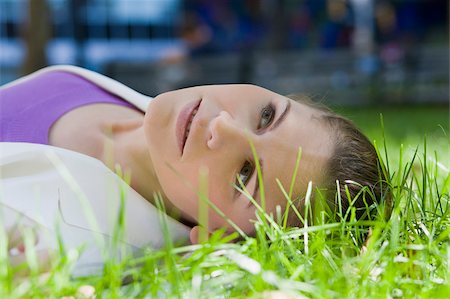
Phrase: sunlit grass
pixel 407 255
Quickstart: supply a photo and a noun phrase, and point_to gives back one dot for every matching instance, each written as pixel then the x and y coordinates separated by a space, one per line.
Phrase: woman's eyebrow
pixel 282 116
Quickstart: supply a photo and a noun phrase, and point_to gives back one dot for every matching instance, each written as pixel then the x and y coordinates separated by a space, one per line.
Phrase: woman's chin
pixel 177 214
pixel 183 218
pixel 187 222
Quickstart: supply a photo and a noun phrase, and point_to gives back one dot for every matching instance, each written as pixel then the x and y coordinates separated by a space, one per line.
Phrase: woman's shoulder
pixel 108 84
pixel 86 128
pixel 32 106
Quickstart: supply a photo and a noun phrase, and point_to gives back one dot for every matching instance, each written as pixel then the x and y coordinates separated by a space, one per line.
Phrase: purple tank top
pixel 29 109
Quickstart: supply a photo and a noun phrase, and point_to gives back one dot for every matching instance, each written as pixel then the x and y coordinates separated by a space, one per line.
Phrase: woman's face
pixel 211 127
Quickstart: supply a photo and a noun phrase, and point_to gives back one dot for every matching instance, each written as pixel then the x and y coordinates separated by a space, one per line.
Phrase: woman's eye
pixel 267 116
pixel 245 173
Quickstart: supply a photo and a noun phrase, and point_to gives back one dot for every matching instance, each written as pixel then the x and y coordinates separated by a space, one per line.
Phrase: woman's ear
pixel 195 233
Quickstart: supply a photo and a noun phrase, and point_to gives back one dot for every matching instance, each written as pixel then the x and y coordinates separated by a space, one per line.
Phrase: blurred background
pixel 355 52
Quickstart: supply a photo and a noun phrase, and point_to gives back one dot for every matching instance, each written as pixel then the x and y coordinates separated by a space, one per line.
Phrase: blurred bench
pixel 155 78
pixel 333 76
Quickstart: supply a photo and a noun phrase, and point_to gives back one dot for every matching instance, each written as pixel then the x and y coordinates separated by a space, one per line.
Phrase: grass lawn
pixel 408 126
pixel 407 256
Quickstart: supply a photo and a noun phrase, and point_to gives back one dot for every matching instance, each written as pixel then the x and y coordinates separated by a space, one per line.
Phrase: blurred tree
pixel 79 29
pixel 36 32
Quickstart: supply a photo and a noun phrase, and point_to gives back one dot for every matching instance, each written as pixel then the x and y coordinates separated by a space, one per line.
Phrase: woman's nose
pixel 223 129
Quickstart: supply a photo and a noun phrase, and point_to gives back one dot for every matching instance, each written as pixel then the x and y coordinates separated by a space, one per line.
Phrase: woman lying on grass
pixel 182 133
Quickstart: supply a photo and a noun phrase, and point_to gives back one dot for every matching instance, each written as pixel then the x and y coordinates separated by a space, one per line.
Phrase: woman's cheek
pixel 181 195
pixel 239 218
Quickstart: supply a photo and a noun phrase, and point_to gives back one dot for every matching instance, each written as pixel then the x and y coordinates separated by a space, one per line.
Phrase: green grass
pixel 407 255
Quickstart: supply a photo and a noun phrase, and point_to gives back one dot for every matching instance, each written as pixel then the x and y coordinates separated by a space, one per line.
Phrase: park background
pixel 384 64
pixel 362 57
pixel 356 51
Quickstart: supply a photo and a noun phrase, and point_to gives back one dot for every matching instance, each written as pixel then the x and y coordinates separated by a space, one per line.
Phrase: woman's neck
pixel 125 147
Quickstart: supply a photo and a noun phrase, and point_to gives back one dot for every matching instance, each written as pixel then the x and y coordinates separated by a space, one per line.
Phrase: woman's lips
pixel 184 121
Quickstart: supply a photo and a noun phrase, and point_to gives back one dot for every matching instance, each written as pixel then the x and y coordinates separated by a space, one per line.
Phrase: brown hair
pixel 354 169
